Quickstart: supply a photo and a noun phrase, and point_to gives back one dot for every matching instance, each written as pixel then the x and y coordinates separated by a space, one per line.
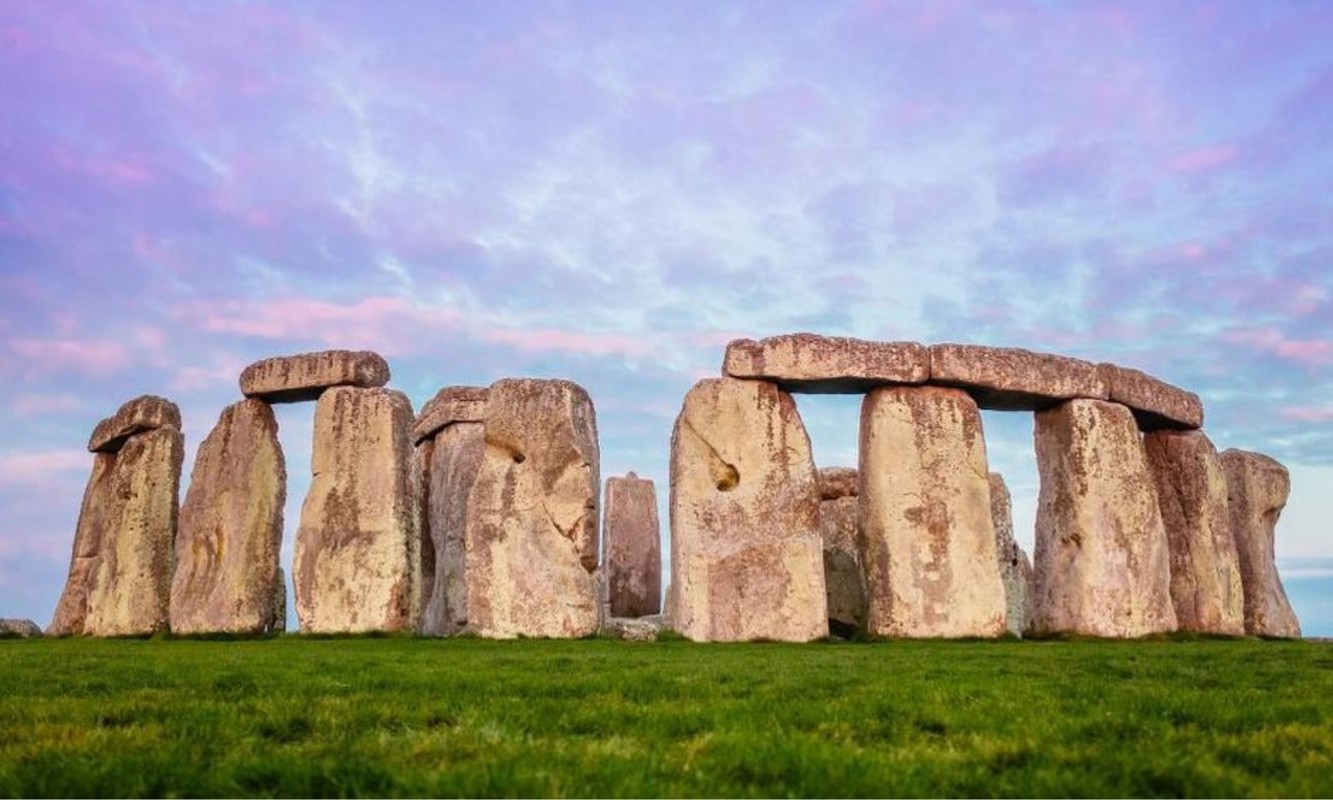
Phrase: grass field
pixel 395 716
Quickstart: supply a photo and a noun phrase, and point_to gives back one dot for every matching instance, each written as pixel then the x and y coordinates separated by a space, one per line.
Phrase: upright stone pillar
pixel 844 574
pixel 1257 489
pixel 931 568
pixel 1102 566
pixel 531 531
pixel 632 537
pixel 1192 493
pixel 1015 568
pixel 230 531
pixel 357 563
pixel 746 552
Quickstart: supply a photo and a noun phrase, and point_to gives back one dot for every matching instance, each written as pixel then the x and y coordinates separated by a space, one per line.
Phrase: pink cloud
pixel 39 468
pixel 29 405
pixel 1204 158
pixel 1308 413
pixel 576 342
pixel 1310 352
pixel 93 356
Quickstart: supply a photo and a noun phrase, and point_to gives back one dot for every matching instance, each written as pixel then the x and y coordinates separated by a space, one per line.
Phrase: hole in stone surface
pixel 519 458
pixel 728 478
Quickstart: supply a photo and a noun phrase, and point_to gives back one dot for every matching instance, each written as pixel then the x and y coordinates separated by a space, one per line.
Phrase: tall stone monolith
pixel 357 565
pixel 632 537
pixel 1192 494
pixel 746 551
pixel 531 531
pixel 1257 490
pixel 1101 566
pixel 931 567
pixel 844 574
pixel 230 530
pixel 455 455
pixel 1015 568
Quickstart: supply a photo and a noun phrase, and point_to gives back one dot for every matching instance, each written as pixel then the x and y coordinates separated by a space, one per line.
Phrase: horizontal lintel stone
pixel 292 379
pixel 814 364
pixel 145 413
pixel 1013 379
pixel 449 405
pixel 1156 404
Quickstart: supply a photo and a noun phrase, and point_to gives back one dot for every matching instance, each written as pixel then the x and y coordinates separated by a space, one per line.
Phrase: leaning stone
pixel 1205 570
pixel 356 562
pixel 19 629
pixel 633 629
pixel 1257 490
pixel 136 416
pixel 931 568
pixel 807 362
pixel 746 552
pixel 449 405
pixel 1156 404
pixel 290 379
pixel 1015 568
pixel 452 459
pixel 632 535
pixel 230 531
pixel 532 514
pixel 844 574
pixel 1102 566
pixel 1012 379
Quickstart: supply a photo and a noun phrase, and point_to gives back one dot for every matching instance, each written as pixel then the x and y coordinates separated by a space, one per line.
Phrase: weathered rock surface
pixel 634 629
pixel 19 628
pixel 278 622
pixel 454 458
pixel 1009 378
pixel 95 518
pixel 844 575
pixel 532 514
pixel 632 536
pixel 1015 568
pixel 1156 404
pixel 356 563
pixel 1257 489
pixel 230 528
pixel 449 405
pixel 290 379
pixel 1102 566
pixel 1192 494
pixel 746 551
pixel 141 414
pixel 931 567
pixel 807 362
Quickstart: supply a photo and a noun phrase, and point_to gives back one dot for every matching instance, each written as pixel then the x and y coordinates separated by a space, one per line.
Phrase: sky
pixel 608 192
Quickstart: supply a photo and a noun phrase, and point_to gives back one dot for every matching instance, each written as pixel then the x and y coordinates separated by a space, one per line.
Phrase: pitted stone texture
pixel 357 563
pixel 844 575
pixel 1257 489
pixel 136 416
pixel 1015 568
pixel 634 629
pixel 931 568
pixel 453 459
pixel 632 537
pixel 1192 493
pixel 746 551
pixel 128 590
pixel 532 514
pixel 1102 566
pixel 230 528
pixel 1156 404
pixel 1012 379
pixel 807 362
pixel 290 379
pixel 19 628
pixel 449 405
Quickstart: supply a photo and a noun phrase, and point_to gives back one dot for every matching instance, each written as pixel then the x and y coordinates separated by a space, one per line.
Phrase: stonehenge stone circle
pixel 839 527
pixel 632 538
pixel 531 530
pixel 1101 566
pixel 291 379
pixel 826 364
pixel 356 566
pixel 230 529
pixel 931 566
pixel 1257 489
pixel 746 550
pixel 1192 494
pixel 1015 568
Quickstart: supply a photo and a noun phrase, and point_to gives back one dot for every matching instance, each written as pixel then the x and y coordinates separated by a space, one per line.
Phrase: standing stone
pixel 633 547
pixel 1015 569
pixel 453 457
pixel 356 563
pixel 746 551
pixel 1257 489
pixel 95 517
pixel 839 526
pixel 230 531
pixel 1205 570
pixel 1102 566
pixel 531 531
pixel 931 567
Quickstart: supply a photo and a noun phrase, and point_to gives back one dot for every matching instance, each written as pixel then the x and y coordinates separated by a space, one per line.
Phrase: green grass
pixel 402 716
